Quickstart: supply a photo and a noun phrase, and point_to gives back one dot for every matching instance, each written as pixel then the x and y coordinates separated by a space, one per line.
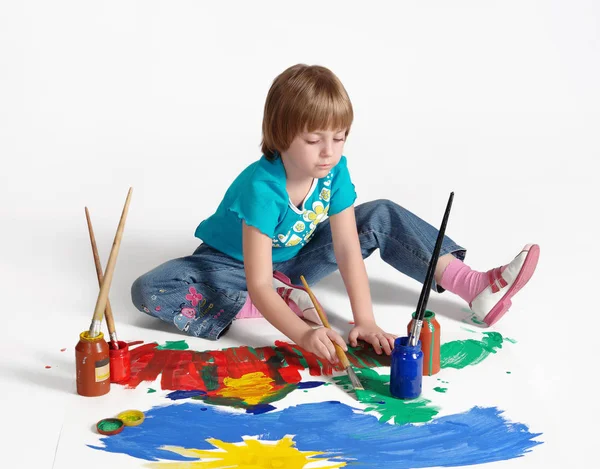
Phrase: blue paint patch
pixel 309 384
pixel 477 436
pixel 260 409
pixel 176 395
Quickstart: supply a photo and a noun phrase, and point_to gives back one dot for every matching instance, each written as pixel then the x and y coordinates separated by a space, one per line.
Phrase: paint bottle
pixel 92 365
pixel 406 371
pixel 120 363
pixel 430 340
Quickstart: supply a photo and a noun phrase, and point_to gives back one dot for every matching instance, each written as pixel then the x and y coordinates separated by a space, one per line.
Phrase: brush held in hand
pixel 424 297
pixel 354 380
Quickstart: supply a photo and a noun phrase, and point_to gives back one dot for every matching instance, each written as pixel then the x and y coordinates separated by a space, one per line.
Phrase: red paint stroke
pixel 185 370
pixel 63 349
pixel 48 367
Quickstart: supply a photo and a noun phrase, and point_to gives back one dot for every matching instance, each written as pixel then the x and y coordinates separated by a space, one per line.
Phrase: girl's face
pixel 313 154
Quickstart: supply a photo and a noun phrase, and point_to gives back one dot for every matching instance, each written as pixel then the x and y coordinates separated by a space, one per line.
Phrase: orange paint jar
pixel 430 342
pixel 92 365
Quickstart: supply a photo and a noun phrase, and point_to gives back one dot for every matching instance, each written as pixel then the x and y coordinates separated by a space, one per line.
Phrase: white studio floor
pixel 497 102
pixel 549 390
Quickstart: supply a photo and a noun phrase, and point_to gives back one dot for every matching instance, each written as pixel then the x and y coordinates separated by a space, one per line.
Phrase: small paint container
pixel 131 418
pixel 120 362
pixel 110 426
pixel 92 365
pixel 430 338
pixel 406 370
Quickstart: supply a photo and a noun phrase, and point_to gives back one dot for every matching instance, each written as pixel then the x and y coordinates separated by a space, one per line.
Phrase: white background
pixel 497 101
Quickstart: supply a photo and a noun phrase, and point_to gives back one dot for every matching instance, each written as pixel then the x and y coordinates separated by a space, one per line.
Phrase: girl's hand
pixel 319 342
pixel 374 335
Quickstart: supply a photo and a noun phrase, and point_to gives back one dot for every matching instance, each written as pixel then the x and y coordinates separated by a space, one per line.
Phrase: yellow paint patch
pixel 252 388
pixel 251 454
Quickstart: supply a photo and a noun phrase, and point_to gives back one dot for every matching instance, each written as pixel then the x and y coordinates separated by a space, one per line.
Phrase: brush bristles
pixel 354 380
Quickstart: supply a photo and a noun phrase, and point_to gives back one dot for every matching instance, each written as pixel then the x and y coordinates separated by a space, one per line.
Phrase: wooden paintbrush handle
pixel 339 350
pixel 112 260
pixel 110 322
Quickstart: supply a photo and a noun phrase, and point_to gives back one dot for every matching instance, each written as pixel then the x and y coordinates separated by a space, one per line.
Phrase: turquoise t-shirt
pixel 259 197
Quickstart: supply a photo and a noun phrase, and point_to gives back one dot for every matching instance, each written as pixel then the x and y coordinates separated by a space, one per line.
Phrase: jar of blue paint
pixel 406 373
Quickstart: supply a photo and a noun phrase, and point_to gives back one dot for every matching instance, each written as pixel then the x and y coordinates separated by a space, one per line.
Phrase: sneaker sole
pixel 525 274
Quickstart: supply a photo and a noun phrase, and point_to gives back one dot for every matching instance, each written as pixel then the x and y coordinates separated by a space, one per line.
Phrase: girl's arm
pixel 346 247
pixel 348 255
pixel 258 265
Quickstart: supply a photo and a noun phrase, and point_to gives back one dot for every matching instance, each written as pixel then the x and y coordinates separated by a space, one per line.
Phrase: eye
pixel 339 139
pixel 312 142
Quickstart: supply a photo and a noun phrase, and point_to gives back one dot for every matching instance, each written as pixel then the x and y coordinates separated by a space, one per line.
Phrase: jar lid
pixel 85 336
pixel 110 426
pixel 131 418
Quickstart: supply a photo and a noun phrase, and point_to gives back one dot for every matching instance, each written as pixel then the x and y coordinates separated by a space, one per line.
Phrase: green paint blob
pixel 378 398
pixel 461 353
pixel 210 376
pixel 508 372
pixel 109 425
pixel 174 345
pixel 439 389
pixel 150 390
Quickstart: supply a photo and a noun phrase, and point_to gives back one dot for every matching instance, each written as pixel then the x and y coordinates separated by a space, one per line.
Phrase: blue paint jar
pixel 406 373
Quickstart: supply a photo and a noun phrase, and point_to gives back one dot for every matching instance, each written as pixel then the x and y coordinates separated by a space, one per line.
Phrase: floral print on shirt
pixel 303 229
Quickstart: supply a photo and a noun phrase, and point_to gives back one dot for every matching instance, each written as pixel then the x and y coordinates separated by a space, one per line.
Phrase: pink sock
pixel 250 311
pixel 459 278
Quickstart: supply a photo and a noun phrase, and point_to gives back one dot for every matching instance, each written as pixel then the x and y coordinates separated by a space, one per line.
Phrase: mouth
pixel 324 166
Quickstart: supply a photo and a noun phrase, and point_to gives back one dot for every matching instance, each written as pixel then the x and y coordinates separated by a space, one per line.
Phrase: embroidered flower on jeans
pixel 193 296
pixel 157 308
pixel 188 312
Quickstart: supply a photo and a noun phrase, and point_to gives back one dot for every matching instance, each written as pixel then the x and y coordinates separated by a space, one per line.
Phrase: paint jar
pixel 430 340
pixel 120 362
pixel 92 365
pixel 406 371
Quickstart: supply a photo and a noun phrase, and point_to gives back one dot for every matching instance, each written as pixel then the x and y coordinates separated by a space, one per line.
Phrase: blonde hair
pixel 303 98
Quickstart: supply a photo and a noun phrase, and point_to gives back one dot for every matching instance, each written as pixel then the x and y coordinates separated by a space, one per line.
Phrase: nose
pixel 327 149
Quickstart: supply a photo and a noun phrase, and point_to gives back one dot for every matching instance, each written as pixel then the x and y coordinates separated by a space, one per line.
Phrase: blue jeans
pixel 201 294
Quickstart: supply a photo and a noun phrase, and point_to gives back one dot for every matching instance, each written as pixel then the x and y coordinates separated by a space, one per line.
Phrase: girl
pixel 291 213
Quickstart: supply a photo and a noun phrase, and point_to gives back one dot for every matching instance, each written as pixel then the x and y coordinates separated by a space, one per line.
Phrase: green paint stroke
pixel 439 389
pixel 150 390
pixel 461 353
pixel 174 345
pixel 377 397
pixel 210 376
pixel 512 341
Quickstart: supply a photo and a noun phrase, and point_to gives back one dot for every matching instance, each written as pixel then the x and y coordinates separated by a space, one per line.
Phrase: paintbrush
pixel 339 350
pixel 110 322
pixel 110 268
pixel 415 332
